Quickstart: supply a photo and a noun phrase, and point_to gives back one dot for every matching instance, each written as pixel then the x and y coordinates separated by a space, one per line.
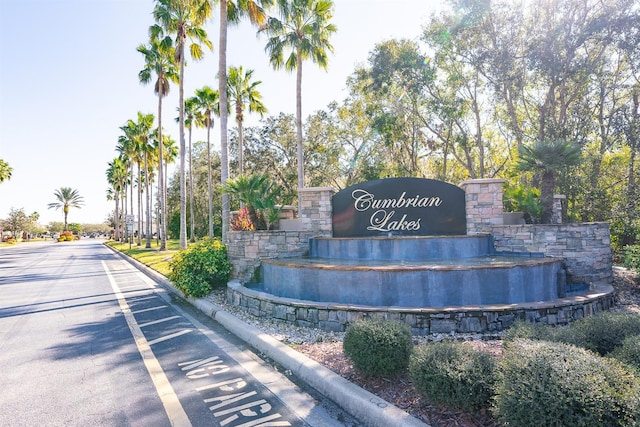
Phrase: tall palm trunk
pixel 240 138
pixel 130 235
pixel 116 220
pixel 162 217
pixel 183 183
pixel 222 89
pixel 299 123
pixel 192 221
pixel 209 180
pixel 139 239
pixel 148 203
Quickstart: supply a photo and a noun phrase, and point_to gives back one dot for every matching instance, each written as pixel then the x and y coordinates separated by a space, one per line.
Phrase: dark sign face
pixel 399 207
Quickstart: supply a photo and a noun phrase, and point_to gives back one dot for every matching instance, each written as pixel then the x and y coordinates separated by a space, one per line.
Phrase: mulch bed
pixel 399 389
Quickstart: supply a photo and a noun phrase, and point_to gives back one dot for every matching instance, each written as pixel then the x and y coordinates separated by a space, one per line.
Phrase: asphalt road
pixel 86 339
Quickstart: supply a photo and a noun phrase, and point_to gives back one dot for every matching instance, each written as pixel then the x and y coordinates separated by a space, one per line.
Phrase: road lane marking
pixel 155 322
pixel 170 401
pixel 144 310
pixel 170 336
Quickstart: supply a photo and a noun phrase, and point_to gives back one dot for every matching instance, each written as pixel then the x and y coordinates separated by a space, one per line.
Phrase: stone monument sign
pixel 399 207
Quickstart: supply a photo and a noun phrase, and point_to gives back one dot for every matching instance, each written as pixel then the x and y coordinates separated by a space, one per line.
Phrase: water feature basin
pixel 425 271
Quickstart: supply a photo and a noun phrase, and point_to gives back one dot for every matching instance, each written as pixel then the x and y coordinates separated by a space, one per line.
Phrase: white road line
pixel 155 322
pixel 170 401
pixel 160 307
pixel 168 337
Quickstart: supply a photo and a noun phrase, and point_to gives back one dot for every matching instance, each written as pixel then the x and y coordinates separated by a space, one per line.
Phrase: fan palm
pixel 117 178
pixel 547 157
pixel 159 60
pixel 183 19
pixel 67 198
pixel 143 133
pixel 244 94
pixel 231 11
pixel 304 30
pixel 190 119
pixel 206 103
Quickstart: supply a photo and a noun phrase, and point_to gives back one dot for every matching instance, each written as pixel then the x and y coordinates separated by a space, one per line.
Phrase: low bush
pixel 554 384
pixel 453 374
pixel 632 257
pixel 629 351
pixel 66 236
pixel 200 268
pixel 603 332
pixel 600 333
pixel 531 331
pixel 377 346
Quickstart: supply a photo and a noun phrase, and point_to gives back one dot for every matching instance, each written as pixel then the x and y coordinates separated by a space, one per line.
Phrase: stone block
pixel 442 326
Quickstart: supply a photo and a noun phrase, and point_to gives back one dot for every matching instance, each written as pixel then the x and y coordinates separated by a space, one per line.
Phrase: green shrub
pixel 629 351
pixel 453 374
pixel 200 268
pixel 632 257
pixel 378 346
pixel 555 384
pixel 600 333
pixel 527 330
pixel 603 332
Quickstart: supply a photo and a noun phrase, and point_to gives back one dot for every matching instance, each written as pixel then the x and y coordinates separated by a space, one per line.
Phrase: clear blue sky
pixel 69 80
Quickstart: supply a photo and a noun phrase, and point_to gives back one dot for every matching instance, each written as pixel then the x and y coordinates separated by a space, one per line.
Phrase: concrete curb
pixel 361 404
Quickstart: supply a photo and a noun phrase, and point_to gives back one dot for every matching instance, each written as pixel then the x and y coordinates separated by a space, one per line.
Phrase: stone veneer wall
pixel 246 249
pixel 586 247
pixel 483 199
pixel 423 321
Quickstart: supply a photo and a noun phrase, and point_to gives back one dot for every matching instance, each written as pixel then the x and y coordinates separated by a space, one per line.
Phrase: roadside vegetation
pixel 152 258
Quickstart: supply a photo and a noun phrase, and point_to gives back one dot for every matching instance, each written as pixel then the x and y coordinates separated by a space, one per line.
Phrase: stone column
pixel 316 209
pixel 556 214
pixel 483 200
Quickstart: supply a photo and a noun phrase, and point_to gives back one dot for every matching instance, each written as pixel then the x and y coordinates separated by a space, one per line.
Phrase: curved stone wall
pixel 423 321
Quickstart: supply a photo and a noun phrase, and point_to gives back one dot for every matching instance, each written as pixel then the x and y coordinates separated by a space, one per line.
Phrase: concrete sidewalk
pixel 365 406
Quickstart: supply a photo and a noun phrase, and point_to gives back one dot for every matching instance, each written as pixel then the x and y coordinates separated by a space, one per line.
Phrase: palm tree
pixel 130 149
pixel 190 119
pixel 231 11
pixel 304 29
pixel 159 60
pixel 243 92
pixel 183 18
pixel 206 103
pixel 143 134
pixel 117 178
pixel 547 157
pixel 5 171
pixel 66 199
pixel 126 150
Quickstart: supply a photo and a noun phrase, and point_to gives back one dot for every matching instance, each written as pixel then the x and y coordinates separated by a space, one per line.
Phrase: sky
pixel 69 80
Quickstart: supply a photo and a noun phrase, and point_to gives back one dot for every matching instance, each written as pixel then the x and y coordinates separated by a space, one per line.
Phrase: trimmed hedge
pixel 377 346
pixel 601 333
pixel 555 384
pixel 453 374
pixel 200 268
pixel 629 352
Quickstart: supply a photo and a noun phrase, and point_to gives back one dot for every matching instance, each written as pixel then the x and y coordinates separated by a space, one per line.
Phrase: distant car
pixel 92 235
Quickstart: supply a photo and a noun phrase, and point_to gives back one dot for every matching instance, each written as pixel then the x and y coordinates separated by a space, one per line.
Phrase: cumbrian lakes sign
pixel 399 207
